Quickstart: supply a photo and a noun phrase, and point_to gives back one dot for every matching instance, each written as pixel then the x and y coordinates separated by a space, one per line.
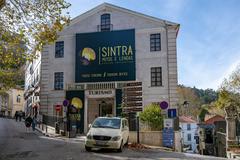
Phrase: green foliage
pixel 195 98
pixel 152 116
pixel 202 114
pixel 25 27
pixel 229 92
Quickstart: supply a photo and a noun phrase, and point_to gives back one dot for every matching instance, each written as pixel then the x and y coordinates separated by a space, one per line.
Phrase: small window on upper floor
pixel 156 76
pixel 155 42
pixel 188 126
pixel 59 49
pixel 58 80
pixel 18 98
pixel 189 137
pixel 105 22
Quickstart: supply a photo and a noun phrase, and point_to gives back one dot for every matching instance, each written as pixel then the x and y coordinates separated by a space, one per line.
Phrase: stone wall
pixel 154 138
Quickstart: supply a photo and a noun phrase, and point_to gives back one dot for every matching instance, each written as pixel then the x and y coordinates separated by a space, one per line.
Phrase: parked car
pixel 107 132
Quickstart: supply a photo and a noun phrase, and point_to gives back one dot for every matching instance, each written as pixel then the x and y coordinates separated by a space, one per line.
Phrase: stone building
pixel 15 101
pixel 99 52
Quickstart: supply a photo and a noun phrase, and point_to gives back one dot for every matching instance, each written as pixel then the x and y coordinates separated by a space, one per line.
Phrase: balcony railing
pixel 105 27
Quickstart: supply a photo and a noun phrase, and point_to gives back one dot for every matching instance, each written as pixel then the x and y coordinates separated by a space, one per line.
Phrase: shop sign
pixel 99 93
pixel 168 137
pixel 168 123
pixel 105 56
pixel 132 97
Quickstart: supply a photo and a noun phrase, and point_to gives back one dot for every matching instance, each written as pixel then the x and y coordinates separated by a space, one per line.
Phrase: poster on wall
pixel 105 56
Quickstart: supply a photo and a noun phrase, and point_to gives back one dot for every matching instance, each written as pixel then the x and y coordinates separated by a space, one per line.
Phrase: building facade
pixel 189 133
pixel 4 105
pixel 15 101
pixel 32 86
pixel 98 53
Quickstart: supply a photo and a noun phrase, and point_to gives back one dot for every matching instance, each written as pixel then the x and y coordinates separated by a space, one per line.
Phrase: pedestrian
pixel 28 122
pixel 34 122
pixel 16 116
pixel 20 116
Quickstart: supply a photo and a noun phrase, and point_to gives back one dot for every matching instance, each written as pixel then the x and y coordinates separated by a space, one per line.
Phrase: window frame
pixel 58 84
pixel 105 22
pixel 189 137
pixel 189 126
pixel 18 100
pixel 156 76
pixel 59 49
pixel 155 42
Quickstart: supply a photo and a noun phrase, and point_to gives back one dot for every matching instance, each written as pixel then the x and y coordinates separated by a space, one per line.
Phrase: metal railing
pixel 105 27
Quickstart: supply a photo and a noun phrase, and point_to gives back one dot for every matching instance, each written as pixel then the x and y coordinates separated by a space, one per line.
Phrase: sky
pixel 208 43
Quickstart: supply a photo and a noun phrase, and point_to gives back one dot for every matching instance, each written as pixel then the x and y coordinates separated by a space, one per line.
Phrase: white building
pixel 100 51
pixel 189 133
pixel 32 87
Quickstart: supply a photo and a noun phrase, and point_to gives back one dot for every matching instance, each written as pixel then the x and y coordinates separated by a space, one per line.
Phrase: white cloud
pixel 228 72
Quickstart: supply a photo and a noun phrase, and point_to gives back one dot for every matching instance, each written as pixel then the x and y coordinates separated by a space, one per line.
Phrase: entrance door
pixel 105 109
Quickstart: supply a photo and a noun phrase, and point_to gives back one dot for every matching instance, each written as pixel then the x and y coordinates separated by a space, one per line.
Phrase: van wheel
pixel 121 147
pixel 88 149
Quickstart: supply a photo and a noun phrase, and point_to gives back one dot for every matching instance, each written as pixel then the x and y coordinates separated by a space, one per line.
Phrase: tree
pixel 187 94
pixel 25 27
pixel 230 90
pixel 152 116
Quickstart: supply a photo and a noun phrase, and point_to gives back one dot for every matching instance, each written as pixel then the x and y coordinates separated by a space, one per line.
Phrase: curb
pixel 160 148
pixel 44 133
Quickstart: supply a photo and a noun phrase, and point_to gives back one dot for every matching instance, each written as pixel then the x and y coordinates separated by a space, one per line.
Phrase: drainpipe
pixel 166 29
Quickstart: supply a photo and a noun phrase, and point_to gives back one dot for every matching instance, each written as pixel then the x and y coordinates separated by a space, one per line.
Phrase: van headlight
pixel 116 138
pixel 89 136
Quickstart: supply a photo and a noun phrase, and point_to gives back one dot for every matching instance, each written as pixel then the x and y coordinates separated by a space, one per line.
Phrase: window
pixel 188 126
pixel 105 22
pixel 18 99
pixel 155 42
pixel 58 81
pixel 189 137
pixel 156 76
pixel 59 49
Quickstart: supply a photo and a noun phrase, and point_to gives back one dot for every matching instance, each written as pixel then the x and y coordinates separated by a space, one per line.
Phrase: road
pixel 18 144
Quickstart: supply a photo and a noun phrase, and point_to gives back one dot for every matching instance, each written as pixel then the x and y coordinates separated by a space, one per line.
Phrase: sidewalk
pixel 50 132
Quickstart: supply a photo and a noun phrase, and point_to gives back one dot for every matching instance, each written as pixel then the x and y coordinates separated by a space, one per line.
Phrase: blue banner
pixel 105 56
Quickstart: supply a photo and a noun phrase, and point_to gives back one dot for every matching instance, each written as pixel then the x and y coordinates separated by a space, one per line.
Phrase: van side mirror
pixel 90 125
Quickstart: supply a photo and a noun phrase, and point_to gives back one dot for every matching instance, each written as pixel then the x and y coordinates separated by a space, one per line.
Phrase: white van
pixel 107 132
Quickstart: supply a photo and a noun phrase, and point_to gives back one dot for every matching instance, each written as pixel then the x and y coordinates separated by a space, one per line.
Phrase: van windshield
pixel 107 123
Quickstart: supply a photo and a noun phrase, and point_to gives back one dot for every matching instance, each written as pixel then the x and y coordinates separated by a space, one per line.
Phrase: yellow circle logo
pixel 87 56
pixel 77 102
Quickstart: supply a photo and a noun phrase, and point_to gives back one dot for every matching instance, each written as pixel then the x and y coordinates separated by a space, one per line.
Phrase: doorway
pixel 99 107
pixel 105 109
